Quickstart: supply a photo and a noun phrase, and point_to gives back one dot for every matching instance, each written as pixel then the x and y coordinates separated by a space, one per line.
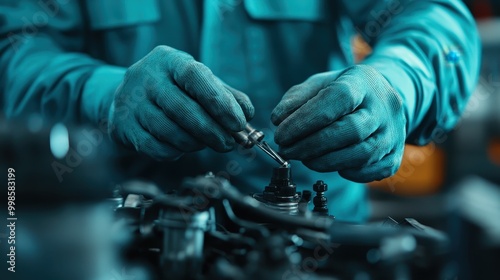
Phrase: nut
pixel 320 186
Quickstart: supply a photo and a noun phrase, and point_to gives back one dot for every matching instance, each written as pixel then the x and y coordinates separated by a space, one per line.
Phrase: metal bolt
pixel 320 201
pixel 320 186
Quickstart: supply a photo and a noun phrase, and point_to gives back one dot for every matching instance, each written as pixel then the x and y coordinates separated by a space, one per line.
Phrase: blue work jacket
pixel 56 55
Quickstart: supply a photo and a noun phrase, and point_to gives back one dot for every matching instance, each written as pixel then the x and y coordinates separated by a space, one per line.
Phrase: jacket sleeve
pixel 429 50
pixel 43 68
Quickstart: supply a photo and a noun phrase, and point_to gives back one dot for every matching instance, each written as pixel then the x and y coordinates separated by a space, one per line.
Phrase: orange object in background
pixel 494 151
pixel 421 172
pixel 482 8
pixel 360 48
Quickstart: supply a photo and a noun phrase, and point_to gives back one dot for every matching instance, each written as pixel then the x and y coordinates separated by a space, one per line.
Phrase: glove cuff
pixel 98 93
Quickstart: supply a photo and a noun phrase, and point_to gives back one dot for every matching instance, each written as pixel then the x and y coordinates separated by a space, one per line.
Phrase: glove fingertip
pixel 239 124
pixel 243 101
pixel 278 138
pixel 225 148
pixel 276 117
pixel 286 153
pixel 357 175
pixel 234 120
pixel 248 110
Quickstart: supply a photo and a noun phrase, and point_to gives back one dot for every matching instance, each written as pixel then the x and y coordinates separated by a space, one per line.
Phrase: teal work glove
pixel 169 104
pixel 349 121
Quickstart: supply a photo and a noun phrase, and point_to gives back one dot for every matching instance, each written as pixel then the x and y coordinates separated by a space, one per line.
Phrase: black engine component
pixel 207 229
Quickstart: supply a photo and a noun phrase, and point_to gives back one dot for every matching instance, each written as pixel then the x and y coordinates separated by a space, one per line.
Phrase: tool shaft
pixel 250 137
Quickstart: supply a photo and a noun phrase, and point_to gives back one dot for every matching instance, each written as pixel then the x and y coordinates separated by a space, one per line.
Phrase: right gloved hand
pixel 169 104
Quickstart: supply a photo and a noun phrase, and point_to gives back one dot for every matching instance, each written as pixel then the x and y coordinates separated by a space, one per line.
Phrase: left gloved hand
pixel 349 121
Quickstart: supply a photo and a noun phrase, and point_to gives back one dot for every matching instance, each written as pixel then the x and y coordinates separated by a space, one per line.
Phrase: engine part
pixel 281 193
pixel 183 235
pixel 320 201
pixel 207 229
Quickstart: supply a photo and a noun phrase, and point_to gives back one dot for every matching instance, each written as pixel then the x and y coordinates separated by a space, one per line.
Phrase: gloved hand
pixel 349 121
pixel 169 104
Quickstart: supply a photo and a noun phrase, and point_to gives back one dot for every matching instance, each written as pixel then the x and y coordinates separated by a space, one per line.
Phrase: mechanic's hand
pixel 169 104
pixel 350 121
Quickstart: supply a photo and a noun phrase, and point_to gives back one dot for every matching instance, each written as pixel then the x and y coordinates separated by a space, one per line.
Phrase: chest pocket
pixel 299 10
pixel 120 13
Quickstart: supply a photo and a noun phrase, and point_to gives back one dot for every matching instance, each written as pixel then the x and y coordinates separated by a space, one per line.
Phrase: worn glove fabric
pixel 169 104
pixel 349 121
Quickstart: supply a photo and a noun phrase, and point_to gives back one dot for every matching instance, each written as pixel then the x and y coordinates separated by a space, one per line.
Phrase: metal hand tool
pixel 251 137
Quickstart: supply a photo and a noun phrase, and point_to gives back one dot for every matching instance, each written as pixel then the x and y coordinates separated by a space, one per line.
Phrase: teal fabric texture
pixel 180 106
pixel 360 134
pixel 75 61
